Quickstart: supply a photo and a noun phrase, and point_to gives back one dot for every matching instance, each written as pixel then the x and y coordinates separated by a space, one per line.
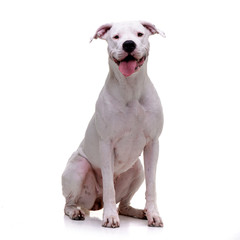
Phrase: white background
pixel 50 78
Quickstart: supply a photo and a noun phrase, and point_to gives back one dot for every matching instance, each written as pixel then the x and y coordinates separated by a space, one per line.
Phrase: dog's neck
pixel 126 89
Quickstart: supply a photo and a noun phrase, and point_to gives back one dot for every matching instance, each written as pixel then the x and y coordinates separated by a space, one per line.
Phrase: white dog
pixel 128 120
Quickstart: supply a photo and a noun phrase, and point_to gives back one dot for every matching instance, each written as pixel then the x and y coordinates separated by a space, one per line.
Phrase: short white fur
pixel 128 120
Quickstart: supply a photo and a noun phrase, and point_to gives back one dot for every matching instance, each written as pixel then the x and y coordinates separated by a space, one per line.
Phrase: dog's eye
pixel 116 37
pixel 140 34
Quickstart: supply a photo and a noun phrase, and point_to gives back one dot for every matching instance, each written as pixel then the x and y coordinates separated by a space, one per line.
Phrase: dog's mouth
pixel 129 65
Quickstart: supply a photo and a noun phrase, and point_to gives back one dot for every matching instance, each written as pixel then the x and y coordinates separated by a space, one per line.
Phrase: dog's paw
pixel 74 213
pixel 154 220
pixel 132 212
pixel 111 220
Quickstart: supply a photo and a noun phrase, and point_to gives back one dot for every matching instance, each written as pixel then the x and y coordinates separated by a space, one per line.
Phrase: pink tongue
pixel 127 68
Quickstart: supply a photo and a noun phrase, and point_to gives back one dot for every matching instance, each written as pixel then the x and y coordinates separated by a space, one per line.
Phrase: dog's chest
pixel 133 130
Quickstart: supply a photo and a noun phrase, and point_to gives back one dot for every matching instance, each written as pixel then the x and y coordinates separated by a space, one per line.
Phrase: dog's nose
pixel 129 46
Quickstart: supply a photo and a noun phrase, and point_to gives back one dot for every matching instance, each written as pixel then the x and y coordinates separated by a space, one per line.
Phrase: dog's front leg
pixel 150 165
pixel 110 215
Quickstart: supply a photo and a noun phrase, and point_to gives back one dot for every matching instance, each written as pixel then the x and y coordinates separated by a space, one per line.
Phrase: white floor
pixel 38 214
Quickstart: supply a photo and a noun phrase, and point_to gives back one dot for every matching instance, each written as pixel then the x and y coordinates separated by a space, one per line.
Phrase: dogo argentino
pixel 128 120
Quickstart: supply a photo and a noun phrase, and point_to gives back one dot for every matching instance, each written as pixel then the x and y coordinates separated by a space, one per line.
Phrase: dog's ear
pixel 101 32
pixel 152 28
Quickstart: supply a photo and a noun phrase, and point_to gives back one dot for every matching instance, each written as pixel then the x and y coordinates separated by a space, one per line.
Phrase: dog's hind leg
pixel 126 186
pixel 78 185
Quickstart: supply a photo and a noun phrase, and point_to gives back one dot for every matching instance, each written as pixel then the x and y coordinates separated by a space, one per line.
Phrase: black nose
pixel 129 46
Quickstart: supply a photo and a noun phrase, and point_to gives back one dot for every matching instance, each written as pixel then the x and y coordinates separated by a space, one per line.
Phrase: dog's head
pixel 128 44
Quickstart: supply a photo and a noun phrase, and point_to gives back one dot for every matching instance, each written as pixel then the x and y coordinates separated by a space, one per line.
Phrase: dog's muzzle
pixel 129 64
